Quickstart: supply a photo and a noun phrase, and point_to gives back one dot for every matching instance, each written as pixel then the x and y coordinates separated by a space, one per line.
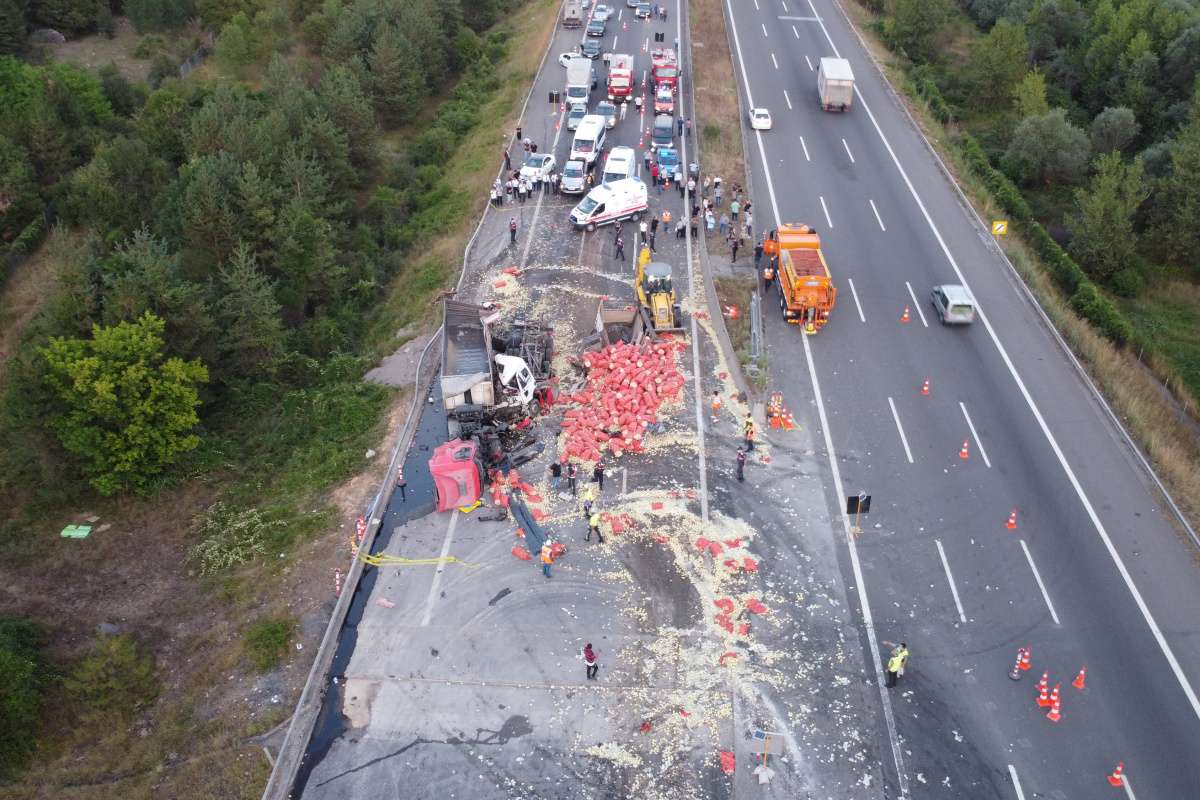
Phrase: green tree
pixel 343 97
pixel 115 681
pixel 14 30
pixel 68 16
pixel 305 260
pixel 1179 194
pixel 1113 129
pixel 237 46
pixel 162 121
pixel 397 84
pixel 252 334
pixel 24 678
pixel 997 65
pixel 47 141
pixel 19 200
pixel 916 26
pixel 1029 95
pixel 1048 149
pixel 1103 239
pixel 119 405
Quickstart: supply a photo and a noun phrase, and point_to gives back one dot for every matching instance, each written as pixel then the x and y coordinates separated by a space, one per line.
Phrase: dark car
pixel 642 11
pixel 596 27
pixel 590 48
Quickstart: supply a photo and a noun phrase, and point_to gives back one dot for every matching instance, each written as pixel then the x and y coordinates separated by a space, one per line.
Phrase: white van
pixel 623 199
pixel 620 164
pixel 589 139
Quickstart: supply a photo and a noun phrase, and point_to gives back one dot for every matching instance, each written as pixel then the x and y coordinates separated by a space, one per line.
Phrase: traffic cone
pixel 1012 521
pixel 964 453
pixel 1024 661
pixel 1115 779
pixel 1043 699
pixel 925 387
pixel 905 317
pixel 1054 714
pixel 1078 683
pixel 1016 670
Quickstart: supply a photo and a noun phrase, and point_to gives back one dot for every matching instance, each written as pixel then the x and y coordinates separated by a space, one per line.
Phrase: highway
pixel 1097 571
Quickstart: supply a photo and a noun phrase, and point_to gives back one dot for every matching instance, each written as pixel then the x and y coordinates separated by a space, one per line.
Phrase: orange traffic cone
pixel 1025 654
pixel 1043 698
pixel 964 453
pixel 905 317
pixel 1078 683
pixel 1054 715
pixel 1012 521
pixel 1115 779
pixel 925 387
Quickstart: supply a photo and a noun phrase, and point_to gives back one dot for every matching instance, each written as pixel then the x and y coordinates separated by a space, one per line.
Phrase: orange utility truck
pixel 796 264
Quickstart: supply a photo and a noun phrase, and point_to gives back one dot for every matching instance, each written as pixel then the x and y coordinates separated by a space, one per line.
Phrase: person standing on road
pixel 589 660
pixel 555 476
pixel 572 473
pixel 679 122
pixel 741 465
pixel 695 224
pixel 520 137
pixel 512 230
pixel 666 220
pixel 598 474
pixel 594 527
pixel 679 185
pixel 734 208
pixel 688 127
pixel 716 406
pixel 691 187
pixel 733 246
pixel 620 254
pixel 547 559
pixel 896 662
pixel 724 226
pixel 758 251
pixel 653 225
pixel 749 225
pixel 748 432
pixel 650 240
pixel 507 162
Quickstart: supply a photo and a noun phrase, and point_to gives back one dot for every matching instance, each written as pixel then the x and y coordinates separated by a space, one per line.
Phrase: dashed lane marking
pixel 878 218
pixel 950 577
pixel 1037 576
pixel 804 147
pixel 858 305
pixel 825 208
pixel 848 151
pixel 1012 773
pixel 975 435
pixel 899 427
pixel 916 305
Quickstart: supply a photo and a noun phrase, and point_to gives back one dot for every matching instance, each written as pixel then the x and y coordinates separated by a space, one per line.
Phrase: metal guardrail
pixel 756 331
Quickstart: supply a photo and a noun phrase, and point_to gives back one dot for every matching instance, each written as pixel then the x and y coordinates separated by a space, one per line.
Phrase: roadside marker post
pixel 858 505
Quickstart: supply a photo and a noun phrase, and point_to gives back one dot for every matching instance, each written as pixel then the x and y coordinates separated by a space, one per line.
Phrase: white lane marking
pixel 899 427
pixel 806 59
pixel 645 47
pixel 975 435
pixel 916 305
pixel 756 8
pixel 781 2
pixel 614 44
pixel 1151 623
pixel 620 13
pixel 1037 576
pixel 825 208
pixel 950 577
pixel 537 210
pixel 857 304
pixel 774 61
pixel 795 32
pixel 868 622
pixel 437 575
pixel 582 239
pixel 1128 786
pixel 1012 772
pixel 847 150
pixel 805 147
pixel 764 27
pixel 878 218
pixel 789 100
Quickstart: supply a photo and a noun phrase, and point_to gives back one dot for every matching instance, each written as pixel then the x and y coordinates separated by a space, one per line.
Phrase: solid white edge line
pixel 860 585
pixel 1140 601
pixel 858 305
pixel 1037 576
pixel 788 99
pixel 805 148
pixel 437 575
pixel 975 435
pixel 878 218
pixel 845 145
pixel 916 305
pixel 899 427
pixel 825 208
pixel 1012 773
pixel 950 577
pixel 1128 786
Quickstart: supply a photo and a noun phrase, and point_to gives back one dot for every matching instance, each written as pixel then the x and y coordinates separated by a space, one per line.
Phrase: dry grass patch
pixel 717 113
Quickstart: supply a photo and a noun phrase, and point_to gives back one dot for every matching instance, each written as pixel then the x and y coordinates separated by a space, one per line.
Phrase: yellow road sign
pixel 999 227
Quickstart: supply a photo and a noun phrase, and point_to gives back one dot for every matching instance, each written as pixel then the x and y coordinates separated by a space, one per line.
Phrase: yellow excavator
pixel 656 294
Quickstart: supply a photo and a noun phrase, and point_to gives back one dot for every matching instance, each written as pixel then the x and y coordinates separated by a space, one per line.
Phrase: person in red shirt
pixel 589 660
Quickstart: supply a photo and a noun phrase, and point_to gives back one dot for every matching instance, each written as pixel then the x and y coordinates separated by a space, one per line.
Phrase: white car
pixel 565 58
pixel 602 13
pixel 954 304
pixel 760 119
pixel 538 167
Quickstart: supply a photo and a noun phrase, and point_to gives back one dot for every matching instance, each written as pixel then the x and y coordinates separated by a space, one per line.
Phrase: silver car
pixel 574 177
pixel 954 304
pixel 608 111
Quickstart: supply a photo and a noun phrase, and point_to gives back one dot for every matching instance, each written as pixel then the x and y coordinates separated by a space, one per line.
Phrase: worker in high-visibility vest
pixel 547 560
pixel 716 406
pixel 594 527
pixel 896 662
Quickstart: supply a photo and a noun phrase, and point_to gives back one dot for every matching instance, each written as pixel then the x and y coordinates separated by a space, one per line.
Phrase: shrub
pixel 23 683
pixel 266 641
pixel 149 46
pixel 116 681
pixel 228 537
pixel 1128 282
pixel 1097 309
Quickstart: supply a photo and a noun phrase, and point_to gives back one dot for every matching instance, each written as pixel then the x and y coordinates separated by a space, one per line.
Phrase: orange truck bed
pixel 806 290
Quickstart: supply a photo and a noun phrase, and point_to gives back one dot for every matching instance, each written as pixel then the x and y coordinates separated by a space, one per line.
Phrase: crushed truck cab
pixel 806 290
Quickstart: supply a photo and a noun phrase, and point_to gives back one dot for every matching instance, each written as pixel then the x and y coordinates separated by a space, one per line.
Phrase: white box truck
pixel 580 77
pixel 835 84
pixel 572 14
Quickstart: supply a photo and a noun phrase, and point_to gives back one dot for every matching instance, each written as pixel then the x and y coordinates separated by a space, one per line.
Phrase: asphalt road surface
pixel 1097 572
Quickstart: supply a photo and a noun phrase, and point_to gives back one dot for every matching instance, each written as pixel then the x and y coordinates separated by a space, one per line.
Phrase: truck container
pixel 572 14
pixel 835 84
pixel 806 290
pixel 620 77
pixel 580 76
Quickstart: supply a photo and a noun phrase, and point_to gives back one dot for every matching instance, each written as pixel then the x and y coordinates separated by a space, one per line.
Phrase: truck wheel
pixel 635 216
pixel 590 227
pixel 782 307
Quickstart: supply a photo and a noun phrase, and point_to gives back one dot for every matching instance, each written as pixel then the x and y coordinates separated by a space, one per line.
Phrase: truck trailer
pixel 835 84
pixel 806 290
pixel 572 14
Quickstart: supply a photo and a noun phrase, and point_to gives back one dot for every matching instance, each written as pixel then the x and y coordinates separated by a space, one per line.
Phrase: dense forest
pixel 1089 111
pixel 217 250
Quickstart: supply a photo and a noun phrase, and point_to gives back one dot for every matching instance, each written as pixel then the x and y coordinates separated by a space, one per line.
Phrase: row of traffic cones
pixel 777 414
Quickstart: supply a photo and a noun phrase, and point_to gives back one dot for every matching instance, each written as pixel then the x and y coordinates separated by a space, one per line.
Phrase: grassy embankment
pixel 1162 425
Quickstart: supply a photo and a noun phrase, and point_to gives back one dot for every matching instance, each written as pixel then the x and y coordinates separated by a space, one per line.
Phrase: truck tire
pixel 782 307
pixel 635 216
pixel 590 227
